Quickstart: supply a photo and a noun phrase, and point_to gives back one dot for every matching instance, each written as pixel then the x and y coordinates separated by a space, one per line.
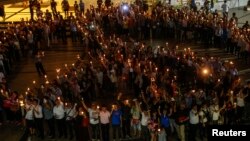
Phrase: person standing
pixel 38 114
pixel 39 64
pixel 116 118
pixel 48 116
pixel 65 8
pixel 193 122
pixel 31 5
pixel 94 120
pixel 59 114
pixel 53 5
pixel 181 120
pixel 70 111
pixel 105 120
pixel 225 8
pixel 2 12
pixel 81 7
pixel 29 117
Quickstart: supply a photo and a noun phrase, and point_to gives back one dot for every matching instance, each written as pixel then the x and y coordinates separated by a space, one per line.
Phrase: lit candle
pixel 34 82
pixel 58 70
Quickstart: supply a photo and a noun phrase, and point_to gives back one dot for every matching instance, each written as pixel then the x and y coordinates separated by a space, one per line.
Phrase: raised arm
pixel 84 105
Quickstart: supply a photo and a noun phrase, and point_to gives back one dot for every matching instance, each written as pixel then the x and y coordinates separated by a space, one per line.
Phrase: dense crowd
pixel 153 92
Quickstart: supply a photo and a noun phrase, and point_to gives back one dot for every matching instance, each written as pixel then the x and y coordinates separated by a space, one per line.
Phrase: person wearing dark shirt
pixel 246 92
pixel 116 116
pixel 181 120
pixel 126 116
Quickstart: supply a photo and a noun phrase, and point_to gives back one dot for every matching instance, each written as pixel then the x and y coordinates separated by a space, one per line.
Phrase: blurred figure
pixel 53 5
pixel 39 64
pixel 2 12
pixel 81 7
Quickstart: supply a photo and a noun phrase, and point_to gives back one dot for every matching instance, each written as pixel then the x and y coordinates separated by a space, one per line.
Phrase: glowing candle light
pixel 34 82
pixel 58 70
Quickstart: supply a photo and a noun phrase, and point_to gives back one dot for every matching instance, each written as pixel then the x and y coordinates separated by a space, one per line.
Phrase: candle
pixel 28 89
pixel 47 82
pixel 34 82
pixel 58 70
pixel 66 65
pixel 98 107
pixel 45 76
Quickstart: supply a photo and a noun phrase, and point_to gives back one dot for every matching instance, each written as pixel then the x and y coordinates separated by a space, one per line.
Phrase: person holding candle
pixel 29 117
pixel 70 113
pixel 81 125
pixel 59 114
pixel 48 116
pixel 105 120
pixel 135 123
pixel 116 118
pixel 93 120
pixel 38 116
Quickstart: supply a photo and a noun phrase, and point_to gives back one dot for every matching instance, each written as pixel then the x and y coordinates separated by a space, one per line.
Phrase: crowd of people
pixel 153 92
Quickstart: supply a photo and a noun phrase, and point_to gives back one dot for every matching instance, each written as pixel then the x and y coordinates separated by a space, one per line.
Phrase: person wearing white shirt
pixel 145 118
pixel 105 120
pixel 29 116
pixel 38 114
pixel 225 8
pixel 194 121
pixel 94 120
pixel 59 114
pixel 71 113
pixel 240 103
pixel 203 116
